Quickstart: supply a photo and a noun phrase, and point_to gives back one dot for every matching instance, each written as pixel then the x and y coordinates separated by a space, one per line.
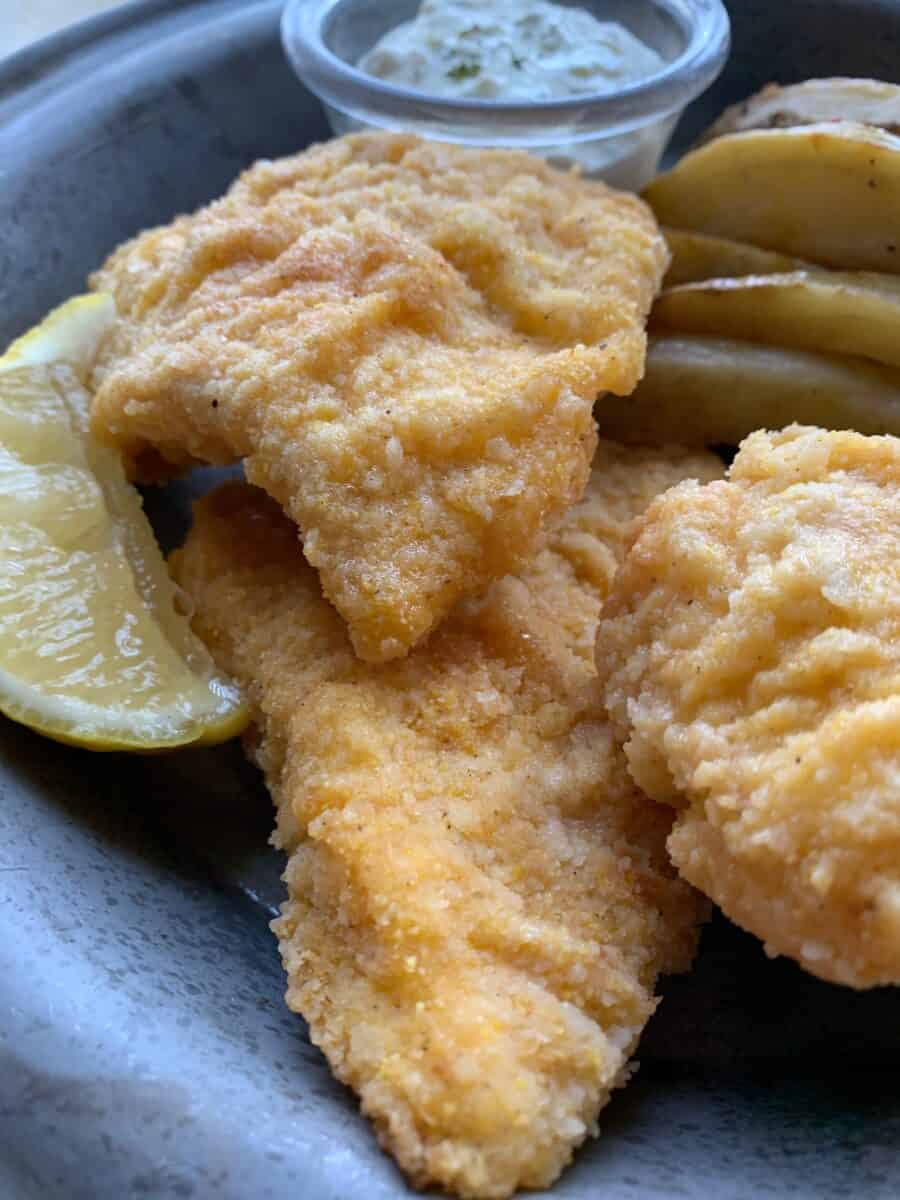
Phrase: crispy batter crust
pixel 480 899
pixel 750 654
pixel 403 341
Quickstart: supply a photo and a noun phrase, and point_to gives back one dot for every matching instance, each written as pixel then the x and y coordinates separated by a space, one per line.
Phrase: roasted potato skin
pixel 705 391
pixel 696 256
pixel 824 311
pixel 840 98
pixel 829 193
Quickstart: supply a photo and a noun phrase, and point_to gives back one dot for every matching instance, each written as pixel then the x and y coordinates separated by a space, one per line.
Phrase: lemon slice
pixel 93 649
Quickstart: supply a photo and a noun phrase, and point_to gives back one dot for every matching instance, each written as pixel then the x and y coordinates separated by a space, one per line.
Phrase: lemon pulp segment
pixel 92 647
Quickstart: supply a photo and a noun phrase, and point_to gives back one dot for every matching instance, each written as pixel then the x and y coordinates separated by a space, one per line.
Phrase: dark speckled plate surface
pixel 144 1048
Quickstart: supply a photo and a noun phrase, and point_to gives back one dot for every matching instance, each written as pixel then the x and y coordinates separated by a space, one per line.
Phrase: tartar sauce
pixel 509 50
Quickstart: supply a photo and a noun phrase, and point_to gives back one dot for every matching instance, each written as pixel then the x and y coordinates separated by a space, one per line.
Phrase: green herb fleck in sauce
pixel 464 71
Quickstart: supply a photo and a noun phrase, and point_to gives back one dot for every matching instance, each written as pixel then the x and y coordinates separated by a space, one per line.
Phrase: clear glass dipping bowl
pixel 619 136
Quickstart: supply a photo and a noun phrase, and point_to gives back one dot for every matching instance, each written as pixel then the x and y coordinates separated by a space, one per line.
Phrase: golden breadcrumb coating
pixel 480 899
pixel 750 653
pixel 403 341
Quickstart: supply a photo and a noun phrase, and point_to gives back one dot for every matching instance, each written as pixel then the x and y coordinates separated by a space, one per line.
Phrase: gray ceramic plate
pixel 144 1047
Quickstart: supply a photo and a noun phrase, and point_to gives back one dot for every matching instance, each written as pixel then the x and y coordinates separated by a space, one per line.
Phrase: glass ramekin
pixel 619 136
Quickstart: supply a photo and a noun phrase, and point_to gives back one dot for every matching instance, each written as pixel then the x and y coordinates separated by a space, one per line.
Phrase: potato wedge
pixel 699 256
pixel 868 101
pixel 829 193
pixel 714 391
pixel 833 312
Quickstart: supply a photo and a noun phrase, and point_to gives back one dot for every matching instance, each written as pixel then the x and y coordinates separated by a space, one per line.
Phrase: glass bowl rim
pixel 351 90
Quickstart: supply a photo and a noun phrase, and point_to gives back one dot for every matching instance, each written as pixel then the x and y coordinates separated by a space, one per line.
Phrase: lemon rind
pixel 71 335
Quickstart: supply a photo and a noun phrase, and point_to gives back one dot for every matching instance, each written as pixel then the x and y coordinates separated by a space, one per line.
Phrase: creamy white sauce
pixel 509 50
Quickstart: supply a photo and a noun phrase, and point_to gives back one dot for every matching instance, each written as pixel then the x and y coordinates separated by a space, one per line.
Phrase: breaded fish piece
pixel 479 898
pixel 750 654
pixel 403 341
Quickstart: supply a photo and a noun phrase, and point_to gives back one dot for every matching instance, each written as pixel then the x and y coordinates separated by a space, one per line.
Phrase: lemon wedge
pixel 93 649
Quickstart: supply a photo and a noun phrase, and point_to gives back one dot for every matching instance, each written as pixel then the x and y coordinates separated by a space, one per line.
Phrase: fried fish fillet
pixel 479 898
pixel 403 342
pixel 750 654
